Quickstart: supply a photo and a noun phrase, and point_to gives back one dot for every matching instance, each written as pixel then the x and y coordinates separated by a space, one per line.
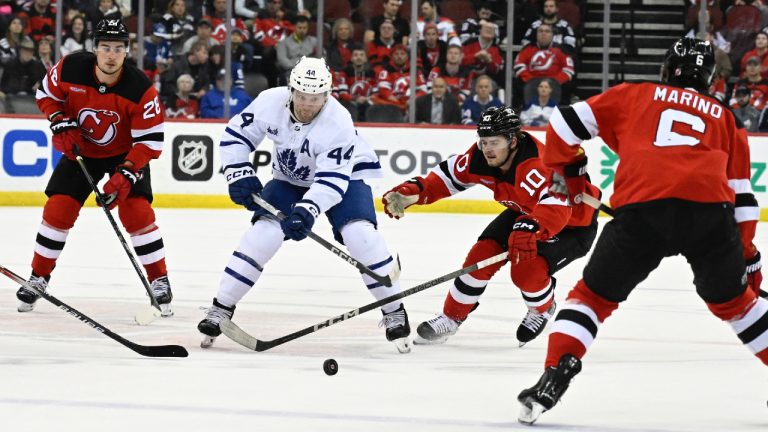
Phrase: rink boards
pixel 187 174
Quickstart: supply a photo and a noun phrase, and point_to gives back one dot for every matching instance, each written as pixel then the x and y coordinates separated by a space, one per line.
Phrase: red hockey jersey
pixel 395 82
pixel 671 143
pixel 458 84
pixel 123 118
pixel 524 188
pixel 552 62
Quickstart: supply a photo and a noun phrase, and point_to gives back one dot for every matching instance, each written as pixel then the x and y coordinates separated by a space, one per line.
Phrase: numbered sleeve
pixel 450 177
pixel 242 135
pixel 747 211
pixel 533 182
pixel 51 95
pixel 333 168
pixel 147 129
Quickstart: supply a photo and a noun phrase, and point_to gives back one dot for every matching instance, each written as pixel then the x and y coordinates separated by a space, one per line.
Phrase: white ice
pixel 660 363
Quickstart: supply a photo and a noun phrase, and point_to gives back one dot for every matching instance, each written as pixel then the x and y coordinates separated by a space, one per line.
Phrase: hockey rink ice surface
pixel 660 363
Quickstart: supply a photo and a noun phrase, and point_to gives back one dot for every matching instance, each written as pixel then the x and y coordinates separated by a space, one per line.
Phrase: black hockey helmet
pixel 499 121
pixel 689 62
pixel 110 29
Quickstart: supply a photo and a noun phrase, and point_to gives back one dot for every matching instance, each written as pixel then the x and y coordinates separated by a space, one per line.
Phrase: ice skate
pixel 28 298
pixel 209 326
pixel 533 324
pixel 548 391
pixel 398 328
pixel 161 289
pixel 436 331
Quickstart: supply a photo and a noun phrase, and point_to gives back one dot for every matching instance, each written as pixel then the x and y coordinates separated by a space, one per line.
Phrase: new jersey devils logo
pixel 98 126
pixel 542 60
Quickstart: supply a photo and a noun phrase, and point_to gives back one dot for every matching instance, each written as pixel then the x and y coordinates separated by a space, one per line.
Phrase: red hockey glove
pixel 569 181
pixel 754 272
pixel 66 134
pixel 119 185
pixel 402 196
pixel 522 239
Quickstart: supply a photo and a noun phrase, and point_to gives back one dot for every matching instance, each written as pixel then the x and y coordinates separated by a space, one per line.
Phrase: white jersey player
pixel 319 163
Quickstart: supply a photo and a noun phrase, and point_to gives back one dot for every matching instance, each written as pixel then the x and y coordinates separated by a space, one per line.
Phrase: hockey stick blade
pixel 386 280
pixel 101 202
pixel 145 350
pixel 232 331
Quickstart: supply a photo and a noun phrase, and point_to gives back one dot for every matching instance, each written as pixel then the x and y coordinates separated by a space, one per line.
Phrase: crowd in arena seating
pixel 460 54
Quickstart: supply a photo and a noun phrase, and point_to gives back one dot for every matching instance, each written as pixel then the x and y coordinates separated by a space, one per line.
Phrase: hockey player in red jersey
pixel 542 233
pixel 109 112
pixel 682 187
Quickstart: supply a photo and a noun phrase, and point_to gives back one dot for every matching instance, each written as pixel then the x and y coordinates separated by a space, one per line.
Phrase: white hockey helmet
pixel 311 75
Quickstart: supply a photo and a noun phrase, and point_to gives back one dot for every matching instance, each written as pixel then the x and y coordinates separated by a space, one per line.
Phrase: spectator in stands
pixel 269 29
pixel 203 32
pixel 562 32
pixel 470 28
pixel 182 104
pixel 157 51
pixel 394 81
pixel 544 60
pixel 297 8
pixel 431 49
pixel 105 9
pixel 242 52
pixel 380 49
pixel 216 63
pixel 40 18
pixel 194 63
pixel 438 107
pixel 291 49
pixel 479 102
pixel 744 110
pixel 760 51
pixel 76 39
pixel 755 82
pixel 445 27
pixel 355 85
pixel 538 110
pixel 176 26
pixel 722 61
pixel 212 104
pixel 218 18
pixel 9 45
pixel 45 53
pixel 483 54
pixel 341 45
pixel 401 27
pixel 248 9
pixel 457 76
pixel 23 74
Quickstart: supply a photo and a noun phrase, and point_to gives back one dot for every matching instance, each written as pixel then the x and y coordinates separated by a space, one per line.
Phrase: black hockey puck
pixel 330 367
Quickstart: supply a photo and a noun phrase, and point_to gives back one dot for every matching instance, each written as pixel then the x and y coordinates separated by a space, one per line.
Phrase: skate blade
pixel 166 311
pixel 146 316
pixel 207 341
pixel 25 307
pixel 418 340
pixel 403 345
pixel 530 415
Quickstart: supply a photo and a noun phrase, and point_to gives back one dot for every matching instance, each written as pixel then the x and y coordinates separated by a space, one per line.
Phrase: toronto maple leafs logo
pixel 286 159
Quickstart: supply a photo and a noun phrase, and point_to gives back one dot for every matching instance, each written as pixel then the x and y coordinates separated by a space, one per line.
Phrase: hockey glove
pixel 298 224
pixel 402 196
pixel 522 239
pixel 569 181
pixel 754 272
pixel 119 185
pixel 242 184
pixel 66 134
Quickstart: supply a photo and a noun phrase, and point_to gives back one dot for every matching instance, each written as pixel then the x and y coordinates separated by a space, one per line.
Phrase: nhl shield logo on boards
pixel 192 158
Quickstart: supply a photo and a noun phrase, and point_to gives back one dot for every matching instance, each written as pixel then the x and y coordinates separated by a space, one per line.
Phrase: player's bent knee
pixel 733 308
pixel 136 213
pixel 530 275
pixel 481 250
pixel 61 211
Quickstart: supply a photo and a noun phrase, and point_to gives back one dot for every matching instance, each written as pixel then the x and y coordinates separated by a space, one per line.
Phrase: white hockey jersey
pixel 323 155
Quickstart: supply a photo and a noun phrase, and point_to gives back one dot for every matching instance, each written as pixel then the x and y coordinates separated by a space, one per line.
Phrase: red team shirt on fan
pixel 123 118
pixel 523 188
pixel 671 142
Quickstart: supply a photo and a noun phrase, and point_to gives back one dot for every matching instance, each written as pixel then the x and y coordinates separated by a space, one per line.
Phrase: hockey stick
pixel 143 317
pixel 232 331
pixel 596 204
pixel 148 351
pixel 386 280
